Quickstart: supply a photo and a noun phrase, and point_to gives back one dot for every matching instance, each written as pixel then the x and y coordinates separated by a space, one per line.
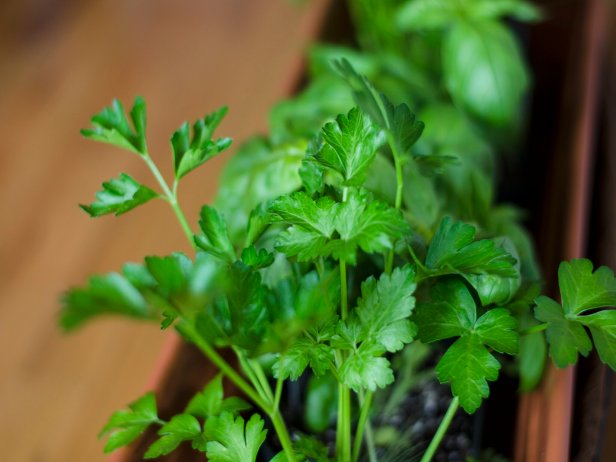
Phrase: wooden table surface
pixel 186 58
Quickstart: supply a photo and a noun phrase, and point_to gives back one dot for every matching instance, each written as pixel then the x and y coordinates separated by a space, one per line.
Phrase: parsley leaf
pixel 449 312
pixel 467 365
pixel 494 9
pixel 211 402
pixel 108 294
pixel 398 121
pixel 119 196
pixel 385 307
pixel 581 290
pixel 190 153
pixel 454 248
pixel 111 126
pixel 566 337
pixel 350 144
pixel 359 222
pixel 304 351
pixel 365 368
pixel 229 440
pixel 125 426
pixel 182 427
pixel 215 238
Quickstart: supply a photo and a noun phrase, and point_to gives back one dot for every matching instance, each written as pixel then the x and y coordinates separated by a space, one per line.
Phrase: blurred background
pixel 60 62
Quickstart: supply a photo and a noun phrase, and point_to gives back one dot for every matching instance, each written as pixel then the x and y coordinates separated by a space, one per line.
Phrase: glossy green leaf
pixel 468 366
pixel 454 247
pixel 111 126
pixel 582 289
pixel 484 71
pixel 230 440
pixel 366 369
pixel 495 9
pixel 104 295
pixel 182 427
pixel 126 426
pixel 385 307
pixel 426 15
pixel 189 153
pixel 215 238
pixel 350 144
pixel 398 120
pixel 566 337
pixel 602 326
pixel 119 196
pixel 449 311
pixel 304 352
pixel 211 402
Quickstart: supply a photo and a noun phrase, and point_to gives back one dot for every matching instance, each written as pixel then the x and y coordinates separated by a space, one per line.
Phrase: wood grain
pixel 186 58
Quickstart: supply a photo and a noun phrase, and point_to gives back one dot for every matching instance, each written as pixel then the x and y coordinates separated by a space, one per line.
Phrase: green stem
pixel 256 367
pixel 283 436
pixel 343 436
pixel 534 329
pixel 344 307
pixel 389 262
pixel 171 198
pixel 248 372
pixel 442 429
pixel 278 393
pixel 364 425
pixel 186 329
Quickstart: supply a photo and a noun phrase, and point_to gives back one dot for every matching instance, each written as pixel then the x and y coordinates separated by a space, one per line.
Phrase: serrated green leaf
pixel 125 426
pixel 497 329
pixel 385 306
pixel 366 223
pixel 450 311
pixel 603 329
pixel 301 210
pixel 190 153
pixel 111 126
pixel 484 70
pixel 582 290
pixel 210 401
pixel 304 351
pixel 454 247
pixel 398 120
pixel 468 366
pixel 232 441
pixel 119 196
pixel 257 259
pixel 170 273
pixel 182 427
pixel 566 337
pixel 350 144
pixel 366 369
pixel 109 294
pixel 215 238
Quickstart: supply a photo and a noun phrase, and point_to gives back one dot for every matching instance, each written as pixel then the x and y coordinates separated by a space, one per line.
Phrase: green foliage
pixel 119 196
pixel 329 231
pixel 182 427
pixel 125 426
pixel 230 440
pixel 581 290
pixel 111 126
pixel 468 364
pixel 189 153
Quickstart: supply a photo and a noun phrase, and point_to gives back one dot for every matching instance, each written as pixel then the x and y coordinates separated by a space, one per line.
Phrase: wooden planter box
pixel 565 52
